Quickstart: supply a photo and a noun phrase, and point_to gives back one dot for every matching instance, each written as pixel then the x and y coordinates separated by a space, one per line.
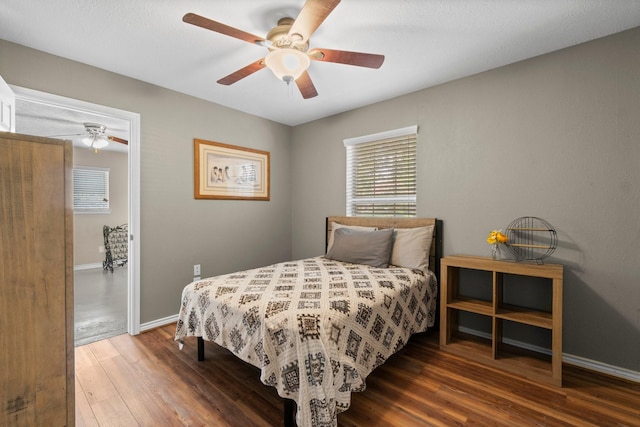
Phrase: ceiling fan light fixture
pixel 88 140
pixel 100 142
pixel 95 141
pixel 287 64
pixel 96 138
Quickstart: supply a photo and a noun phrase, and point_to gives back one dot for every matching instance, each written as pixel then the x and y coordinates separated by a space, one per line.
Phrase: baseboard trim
pixel 603 368
pixel 87 266
pixel 581 362
pixel 158 323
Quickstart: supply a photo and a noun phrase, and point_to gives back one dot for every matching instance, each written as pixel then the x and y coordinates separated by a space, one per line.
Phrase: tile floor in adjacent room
pixel 100 303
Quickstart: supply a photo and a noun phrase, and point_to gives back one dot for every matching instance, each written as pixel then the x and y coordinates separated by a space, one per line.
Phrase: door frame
pixel 133 281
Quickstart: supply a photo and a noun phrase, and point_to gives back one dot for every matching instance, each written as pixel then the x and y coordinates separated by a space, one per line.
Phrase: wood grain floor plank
pixel 605 414
pixel 172 391
pixel 419 386
pixel 139 397
pixel 130 348
pixel 619 394
pixel 230 406
pixel 502 395
pixel 84 414
pixel 260 408
pixel 103 350
pixel 91 375
pixel 113 412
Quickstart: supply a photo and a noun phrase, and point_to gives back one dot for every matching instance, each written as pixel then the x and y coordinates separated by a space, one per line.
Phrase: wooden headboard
pixel 390 222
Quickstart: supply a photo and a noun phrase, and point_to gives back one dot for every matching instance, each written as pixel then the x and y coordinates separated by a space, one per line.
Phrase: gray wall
pixel 176 230
pixel 557 136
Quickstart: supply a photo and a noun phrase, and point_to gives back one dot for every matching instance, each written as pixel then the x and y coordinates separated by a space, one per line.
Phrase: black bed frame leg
pixel 289 413
pixel 200 349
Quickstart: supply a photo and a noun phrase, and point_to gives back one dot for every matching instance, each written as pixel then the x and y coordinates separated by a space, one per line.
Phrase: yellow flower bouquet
pixel 495 238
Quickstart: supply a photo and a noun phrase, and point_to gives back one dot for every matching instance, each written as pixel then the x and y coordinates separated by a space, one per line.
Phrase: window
pixel 91 190
pixel 381 173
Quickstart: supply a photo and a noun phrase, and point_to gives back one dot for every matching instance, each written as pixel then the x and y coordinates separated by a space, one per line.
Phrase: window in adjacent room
pixel 381 173
pixel 91 190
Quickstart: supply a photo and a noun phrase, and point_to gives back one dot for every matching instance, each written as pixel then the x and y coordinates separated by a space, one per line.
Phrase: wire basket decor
pixel 531 239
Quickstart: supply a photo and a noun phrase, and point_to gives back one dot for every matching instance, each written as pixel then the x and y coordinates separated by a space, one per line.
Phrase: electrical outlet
pixel 101 249
pixel 196 270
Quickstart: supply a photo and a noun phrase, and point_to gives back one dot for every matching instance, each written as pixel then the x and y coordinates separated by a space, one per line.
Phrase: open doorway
pixel 108 302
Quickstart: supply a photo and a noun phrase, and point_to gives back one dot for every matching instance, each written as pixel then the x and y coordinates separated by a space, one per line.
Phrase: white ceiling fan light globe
pixel 95 141
pixel 287 64
pixel 88 140
pixel 100 142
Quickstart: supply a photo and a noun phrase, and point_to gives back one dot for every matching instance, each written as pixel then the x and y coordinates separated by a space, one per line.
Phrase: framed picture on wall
pixel 225 171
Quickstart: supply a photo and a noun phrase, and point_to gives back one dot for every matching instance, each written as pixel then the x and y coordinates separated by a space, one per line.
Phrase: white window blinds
pixel 381 174
pixel 90 190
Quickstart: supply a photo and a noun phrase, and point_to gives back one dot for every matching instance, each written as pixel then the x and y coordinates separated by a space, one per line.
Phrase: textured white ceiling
pixel 425 42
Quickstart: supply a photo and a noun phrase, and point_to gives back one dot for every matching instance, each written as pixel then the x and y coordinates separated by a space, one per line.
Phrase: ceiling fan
pixel 95 136
pixel 289 55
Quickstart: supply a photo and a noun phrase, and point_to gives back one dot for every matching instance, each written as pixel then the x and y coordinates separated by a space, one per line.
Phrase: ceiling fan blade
pixel 368 60
pixel 116 139
pixel 64 134
pixel 30 116
pixel 242 72
pixel 201 21
pixel 313 13
pixel 307 89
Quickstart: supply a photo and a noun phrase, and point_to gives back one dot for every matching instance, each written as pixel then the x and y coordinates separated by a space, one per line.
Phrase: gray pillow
pixel 362 247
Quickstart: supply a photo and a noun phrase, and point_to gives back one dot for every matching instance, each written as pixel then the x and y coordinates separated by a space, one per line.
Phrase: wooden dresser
pixel 36 282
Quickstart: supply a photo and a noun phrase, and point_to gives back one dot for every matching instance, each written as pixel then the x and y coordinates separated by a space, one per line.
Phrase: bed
pixel 317 327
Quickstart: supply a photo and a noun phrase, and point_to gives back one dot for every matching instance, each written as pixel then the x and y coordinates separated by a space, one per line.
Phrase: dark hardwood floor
pixel 147 381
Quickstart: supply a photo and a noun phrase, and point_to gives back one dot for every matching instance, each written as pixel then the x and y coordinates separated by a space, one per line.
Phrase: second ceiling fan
pixel 288 43
pixel 95 136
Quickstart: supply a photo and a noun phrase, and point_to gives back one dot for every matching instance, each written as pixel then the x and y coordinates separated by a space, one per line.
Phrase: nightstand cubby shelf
pixel 492 296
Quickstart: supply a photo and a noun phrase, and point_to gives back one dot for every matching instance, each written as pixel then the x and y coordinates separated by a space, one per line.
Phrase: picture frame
pixel 230 172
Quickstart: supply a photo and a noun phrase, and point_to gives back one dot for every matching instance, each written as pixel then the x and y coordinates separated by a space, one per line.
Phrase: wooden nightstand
pixel 478 287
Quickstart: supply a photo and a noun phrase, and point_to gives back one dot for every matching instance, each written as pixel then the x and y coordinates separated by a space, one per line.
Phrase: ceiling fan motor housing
pixel 95 128
pixel 280 39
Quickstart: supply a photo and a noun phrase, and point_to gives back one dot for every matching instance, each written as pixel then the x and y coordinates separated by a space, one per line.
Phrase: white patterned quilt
pixel 315 327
